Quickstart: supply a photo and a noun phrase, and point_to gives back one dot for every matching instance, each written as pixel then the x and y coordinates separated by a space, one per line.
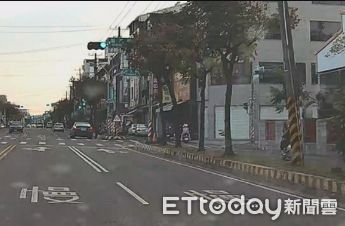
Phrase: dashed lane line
pixel 129 191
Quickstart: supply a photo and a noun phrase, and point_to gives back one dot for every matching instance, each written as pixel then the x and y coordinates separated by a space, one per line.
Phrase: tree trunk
pixel 174 110
pixel 162 139
pixel 227 70
pixel 202 114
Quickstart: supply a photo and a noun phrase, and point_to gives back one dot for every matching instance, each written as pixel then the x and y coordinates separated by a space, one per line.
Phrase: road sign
pixel 130 72
pixel 117 42
pixel 117 119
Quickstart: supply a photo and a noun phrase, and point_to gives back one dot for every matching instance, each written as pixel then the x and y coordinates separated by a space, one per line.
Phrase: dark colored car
pixel 16 126
pixel 49 125
pixel 58 127
pixel 81 129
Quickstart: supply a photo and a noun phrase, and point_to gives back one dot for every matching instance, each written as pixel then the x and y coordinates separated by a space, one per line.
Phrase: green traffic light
pixel 103 45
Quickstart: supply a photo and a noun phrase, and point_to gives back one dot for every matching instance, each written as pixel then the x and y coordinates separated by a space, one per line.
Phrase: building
pixel 319 21
pixel 3 98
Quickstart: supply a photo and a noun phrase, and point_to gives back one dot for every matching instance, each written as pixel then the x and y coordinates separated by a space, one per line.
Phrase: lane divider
pixel 4 152
pixel 88 160
pixel 129 191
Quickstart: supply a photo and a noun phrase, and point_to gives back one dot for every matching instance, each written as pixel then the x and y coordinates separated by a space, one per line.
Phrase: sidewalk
pixel 249 153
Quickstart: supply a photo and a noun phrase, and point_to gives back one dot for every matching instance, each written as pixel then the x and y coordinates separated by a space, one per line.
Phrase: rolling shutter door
pixel 239 123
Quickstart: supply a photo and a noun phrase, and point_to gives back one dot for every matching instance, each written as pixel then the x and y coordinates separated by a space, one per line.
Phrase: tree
pixel 232 31
pixel 161 49
pixel 62 109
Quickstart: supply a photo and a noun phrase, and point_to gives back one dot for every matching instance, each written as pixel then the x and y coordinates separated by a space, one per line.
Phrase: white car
pixel 131 130
pixel 141 130
pixel 58 127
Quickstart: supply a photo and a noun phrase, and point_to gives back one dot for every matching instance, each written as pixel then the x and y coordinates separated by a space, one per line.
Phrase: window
pixel 301 73
pixel 270 130
pixel 329 2
pixel 273 28
pixel 323 30
pixel 314 75
pixel 273 73
pixel 309 131
pixel 242 74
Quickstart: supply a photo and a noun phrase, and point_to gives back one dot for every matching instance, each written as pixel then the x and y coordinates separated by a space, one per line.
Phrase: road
pixel 48 179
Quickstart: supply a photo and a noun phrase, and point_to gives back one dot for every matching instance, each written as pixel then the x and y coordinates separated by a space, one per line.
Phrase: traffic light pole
pixel 291 84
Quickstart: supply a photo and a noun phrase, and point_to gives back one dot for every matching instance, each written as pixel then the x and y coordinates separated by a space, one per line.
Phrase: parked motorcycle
pixel 286 153
pixel 185 138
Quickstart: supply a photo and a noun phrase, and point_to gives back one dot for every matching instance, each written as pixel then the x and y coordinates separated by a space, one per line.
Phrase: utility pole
pixel 291 84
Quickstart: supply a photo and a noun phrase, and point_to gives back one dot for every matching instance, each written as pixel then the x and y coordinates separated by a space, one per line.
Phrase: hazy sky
pixel 36 78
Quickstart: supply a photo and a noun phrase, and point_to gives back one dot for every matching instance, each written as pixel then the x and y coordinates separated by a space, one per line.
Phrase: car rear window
pixel 83 125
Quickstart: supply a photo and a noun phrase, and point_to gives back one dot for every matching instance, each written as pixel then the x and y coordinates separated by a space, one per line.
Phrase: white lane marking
pixel 7 136
pixel 118 145
pixel 34 195
pixel 88 160
pixel 61 143
pixel 13 138
pixel 40 143
pixel 100 145
pixel 81 144
pixel 59 139
pixel 88 140
pixel 29 138
pixel 23 142
pixel 23 193
pixel 3 142
pixel 104 140
pixel 137 197
pixel 73 139
pixel 226 177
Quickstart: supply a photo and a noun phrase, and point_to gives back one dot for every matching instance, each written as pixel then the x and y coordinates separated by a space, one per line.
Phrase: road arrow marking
pixel 23 142
pixel 100 145
pixel 62 144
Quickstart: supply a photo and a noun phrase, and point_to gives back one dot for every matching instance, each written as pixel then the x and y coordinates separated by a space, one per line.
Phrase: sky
pixel 43 44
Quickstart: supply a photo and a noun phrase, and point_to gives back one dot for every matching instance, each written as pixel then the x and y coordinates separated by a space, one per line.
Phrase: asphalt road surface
pixel 48 179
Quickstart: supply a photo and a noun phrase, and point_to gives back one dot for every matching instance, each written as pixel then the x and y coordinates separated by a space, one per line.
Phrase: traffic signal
pixel 96 45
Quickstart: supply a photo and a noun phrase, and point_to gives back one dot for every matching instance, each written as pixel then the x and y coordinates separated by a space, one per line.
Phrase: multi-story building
pixel 319 20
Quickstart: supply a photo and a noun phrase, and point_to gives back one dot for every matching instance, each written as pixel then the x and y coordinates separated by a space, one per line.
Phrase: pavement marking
pixel 88 160
pixel 137 197
pixel 23 142
pixel 29 138
pixel 3 142
pixel 227 177
pixel 81 144
pixel 118 145
pixel 41 143
pixel 88 139
pixel 23 193
pixel 61 143
pixel 106 150
pixel 13 138
pixel 34 195
pixel 73 139
pixel 100 145
pixel 6 151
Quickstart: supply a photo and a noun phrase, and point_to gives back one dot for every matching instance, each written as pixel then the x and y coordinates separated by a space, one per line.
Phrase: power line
pixel 135 2
pixel 40 50
pixel 147 7
pixel 39 26
pixel 48 32
pixel 118 15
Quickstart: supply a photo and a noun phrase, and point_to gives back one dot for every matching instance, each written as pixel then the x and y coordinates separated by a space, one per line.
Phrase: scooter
pixel 286 153
pixel 185 138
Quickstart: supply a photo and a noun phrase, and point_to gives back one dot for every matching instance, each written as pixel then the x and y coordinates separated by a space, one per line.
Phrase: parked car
pixel 2 125
pixel 58 127
pixel 131 130
pixel 141 130
pixel 81 129
pixel 49 125
pixel 16 126
pixel 33 125
pixel 39 125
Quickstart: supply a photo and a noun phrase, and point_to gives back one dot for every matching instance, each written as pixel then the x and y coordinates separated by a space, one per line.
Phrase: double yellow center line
pixel 4 152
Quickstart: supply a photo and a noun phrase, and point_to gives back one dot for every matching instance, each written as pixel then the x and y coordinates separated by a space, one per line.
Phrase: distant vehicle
pixel 141 130
pixel 49 125
pixel 58 127
pixel 131 130
pixel 2 125
pixel 39 125
pixel 16 126
pixel 33 125
pixel 81 129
